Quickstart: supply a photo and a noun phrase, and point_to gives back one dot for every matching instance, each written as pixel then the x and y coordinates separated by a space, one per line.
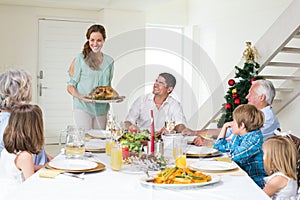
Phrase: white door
pixel 59 42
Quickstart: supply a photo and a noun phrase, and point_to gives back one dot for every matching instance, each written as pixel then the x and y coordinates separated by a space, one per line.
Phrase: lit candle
pixel 152 133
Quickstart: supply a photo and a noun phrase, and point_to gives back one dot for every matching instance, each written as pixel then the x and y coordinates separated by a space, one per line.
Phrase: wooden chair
pixel 296 140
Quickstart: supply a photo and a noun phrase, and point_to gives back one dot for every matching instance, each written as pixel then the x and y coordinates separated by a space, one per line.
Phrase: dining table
pixel 123 184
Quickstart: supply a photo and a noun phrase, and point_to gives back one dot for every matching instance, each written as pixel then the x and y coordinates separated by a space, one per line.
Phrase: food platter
pixel 144 182
pixel 115 100
pixel 214 166
pixel 75 165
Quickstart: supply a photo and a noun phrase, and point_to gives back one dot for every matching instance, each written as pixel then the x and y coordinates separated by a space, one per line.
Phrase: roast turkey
pixel 103 93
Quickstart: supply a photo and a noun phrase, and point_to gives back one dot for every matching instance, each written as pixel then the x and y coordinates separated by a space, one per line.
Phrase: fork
pixel 79 176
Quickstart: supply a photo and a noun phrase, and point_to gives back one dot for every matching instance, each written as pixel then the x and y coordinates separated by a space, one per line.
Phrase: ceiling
pixel 139 5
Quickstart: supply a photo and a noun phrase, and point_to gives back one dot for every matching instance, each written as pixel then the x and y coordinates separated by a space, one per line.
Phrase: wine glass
pixel 169 126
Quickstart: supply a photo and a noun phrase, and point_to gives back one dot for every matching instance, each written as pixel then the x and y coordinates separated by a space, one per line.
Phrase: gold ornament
pixel 250 54
pixel 233 91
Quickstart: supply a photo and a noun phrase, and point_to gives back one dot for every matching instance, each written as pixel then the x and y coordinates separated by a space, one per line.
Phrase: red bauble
pixel 231 82
pixel 228 106
pixel 237 101
pixel 235 95
pixel 252 80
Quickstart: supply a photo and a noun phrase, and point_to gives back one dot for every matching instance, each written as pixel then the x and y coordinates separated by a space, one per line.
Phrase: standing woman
pixel 89 69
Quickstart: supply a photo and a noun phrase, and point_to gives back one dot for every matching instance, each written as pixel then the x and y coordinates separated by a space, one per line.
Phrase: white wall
pixel 221 28
pixel 19 35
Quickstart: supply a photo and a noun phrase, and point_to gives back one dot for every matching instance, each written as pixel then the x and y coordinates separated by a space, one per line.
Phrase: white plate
pixel 72 164
pixel 200 150
pixel 214 179
pixel 95 143
pixel 102 134
pixel 212 165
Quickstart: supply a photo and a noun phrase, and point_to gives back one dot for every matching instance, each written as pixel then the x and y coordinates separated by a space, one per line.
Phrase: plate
pixel 214 179
pixel 101 134
pixel 75 165
pixel 202 152
pixel 95 145
pixel 214 166
pixel 116 100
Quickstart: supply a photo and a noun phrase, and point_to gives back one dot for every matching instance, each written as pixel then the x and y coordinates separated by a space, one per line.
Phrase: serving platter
pixel 75 165
pixel 145 182
pixel 214 166
pixel 115 100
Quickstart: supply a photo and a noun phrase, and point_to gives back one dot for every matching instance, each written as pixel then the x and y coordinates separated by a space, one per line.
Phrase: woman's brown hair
pixel 280 154
pixel 25 129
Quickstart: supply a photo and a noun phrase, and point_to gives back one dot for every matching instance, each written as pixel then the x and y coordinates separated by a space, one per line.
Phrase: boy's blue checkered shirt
pixel 246 151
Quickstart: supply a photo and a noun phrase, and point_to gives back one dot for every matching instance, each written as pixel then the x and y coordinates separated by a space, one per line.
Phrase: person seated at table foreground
pixel 280 156
pixel 163 105
pixel 21 141
pixel 261 94
pixel 15 89
pixel 245 147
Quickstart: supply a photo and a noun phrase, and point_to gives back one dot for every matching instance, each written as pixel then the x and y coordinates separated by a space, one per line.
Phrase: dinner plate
pixel 200 150
pixel 145 183
pixel 99 167
pixel 95 145
pixel 101 134
pixel 72 164
pixel 213 166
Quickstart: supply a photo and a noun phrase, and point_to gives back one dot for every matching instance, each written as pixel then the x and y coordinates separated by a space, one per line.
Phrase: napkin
pixel 49 173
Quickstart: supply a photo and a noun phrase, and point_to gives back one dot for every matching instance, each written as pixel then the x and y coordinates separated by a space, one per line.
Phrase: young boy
pixel 245 147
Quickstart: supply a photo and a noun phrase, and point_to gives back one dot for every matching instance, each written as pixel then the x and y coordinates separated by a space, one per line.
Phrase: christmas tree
pixel 240 85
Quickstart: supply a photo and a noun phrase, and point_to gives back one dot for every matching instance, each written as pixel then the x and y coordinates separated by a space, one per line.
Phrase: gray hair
pixel 267 88
pixel 15 88
pixel 170 79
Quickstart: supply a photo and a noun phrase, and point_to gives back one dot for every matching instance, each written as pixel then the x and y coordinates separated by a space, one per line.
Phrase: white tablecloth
pixel 109 184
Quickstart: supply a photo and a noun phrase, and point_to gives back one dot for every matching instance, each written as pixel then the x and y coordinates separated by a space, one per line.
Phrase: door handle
pixel 41 89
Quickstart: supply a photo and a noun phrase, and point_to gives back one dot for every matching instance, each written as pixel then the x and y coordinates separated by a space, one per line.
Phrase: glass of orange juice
pixel 116 158
pixel 178 151
pixel 108 145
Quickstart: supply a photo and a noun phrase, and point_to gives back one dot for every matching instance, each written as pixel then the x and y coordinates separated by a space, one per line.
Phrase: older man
pixel 261 95
pixel 163 105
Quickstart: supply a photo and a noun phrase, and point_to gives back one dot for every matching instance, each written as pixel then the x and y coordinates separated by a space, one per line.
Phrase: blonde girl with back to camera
pixel 280 156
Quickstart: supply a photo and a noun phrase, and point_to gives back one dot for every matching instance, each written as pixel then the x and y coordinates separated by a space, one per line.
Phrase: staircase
pixel 279 50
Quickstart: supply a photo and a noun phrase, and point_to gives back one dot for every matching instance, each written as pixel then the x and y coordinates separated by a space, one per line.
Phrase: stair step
pixel 297 35
pixel 290 50
pixel 286 89
pixel 284 64
pixel 294 78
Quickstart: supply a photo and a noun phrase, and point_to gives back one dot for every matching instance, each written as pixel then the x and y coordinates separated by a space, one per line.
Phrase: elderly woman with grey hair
pixel 15 88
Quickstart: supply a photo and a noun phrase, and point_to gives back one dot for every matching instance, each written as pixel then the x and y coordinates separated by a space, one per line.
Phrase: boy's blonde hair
pixel 252 118
pixel 280 154
pixel 25 129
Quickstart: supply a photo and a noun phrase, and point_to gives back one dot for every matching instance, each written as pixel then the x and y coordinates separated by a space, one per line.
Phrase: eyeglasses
pixel 161 83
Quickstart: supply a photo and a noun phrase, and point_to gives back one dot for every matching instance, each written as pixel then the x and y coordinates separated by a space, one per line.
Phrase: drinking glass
pixel 170 125
pixel 116 158
pixel 179 147
pixel 75 143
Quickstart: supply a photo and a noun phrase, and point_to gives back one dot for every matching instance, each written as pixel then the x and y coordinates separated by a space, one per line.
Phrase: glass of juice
pixel 178 151
pixel 116 158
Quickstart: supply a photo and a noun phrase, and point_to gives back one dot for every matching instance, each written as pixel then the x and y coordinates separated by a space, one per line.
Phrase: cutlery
pixel 79 176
